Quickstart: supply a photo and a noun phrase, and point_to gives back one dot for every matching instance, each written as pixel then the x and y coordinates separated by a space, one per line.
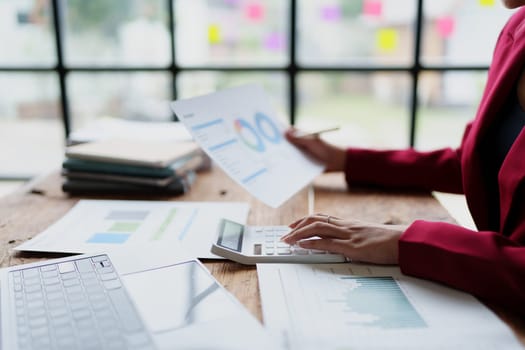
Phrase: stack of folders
pixel 121 167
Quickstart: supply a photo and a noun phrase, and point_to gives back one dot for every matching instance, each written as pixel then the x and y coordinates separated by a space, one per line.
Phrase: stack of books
pixel 131 167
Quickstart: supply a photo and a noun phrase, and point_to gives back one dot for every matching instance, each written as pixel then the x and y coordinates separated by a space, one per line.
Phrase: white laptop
pixel 78 302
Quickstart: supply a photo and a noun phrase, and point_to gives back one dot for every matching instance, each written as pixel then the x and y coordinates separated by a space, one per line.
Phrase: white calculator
pixel 259 244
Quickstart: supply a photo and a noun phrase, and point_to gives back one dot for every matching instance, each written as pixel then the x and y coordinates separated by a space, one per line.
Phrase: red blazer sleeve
pixel 436 170
pixel 485 264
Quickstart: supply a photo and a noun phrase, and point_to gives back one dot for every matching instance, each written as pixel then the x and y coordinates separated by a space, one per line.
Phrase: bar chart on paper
pixel 354 300
pixel 95 225
pixel 360 306
pixel 373 302
pixel 123 224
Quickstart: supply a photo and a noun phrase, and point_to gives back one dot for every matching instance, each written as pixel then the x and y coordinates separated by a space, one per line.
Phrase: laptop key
pixel 84 265
pixel 112 284
pixel 66 267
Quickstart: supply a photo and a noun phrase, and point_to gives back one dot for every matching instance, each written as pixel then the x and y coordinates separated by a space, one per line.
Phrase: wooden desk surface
pixel 28 211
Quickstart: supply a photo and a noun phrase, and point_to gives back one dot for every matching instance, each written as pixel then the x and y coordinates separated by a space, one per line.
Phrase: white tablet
pixel 259 244
pixel 185 307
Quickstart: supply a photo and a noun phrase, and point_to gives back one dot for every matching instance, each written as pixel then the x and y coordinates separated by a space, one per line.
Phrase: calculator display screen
pixel 231 235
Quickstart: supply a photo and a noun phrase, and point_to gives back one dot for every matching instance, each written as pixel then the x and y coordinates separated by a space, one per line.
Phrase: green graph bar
pixel 167 221
pixel 124 227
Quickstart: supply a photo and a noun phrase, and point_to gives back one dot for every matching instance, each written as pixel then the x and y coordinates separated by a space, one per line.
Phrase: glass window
pixel 199 83
pixel 356 32
pixel 139 96
pixel 102 32
pixel 370 108
pixel 461 31
pixel 448 101
pixel 231 32
pixel 30 123
pixel 26 33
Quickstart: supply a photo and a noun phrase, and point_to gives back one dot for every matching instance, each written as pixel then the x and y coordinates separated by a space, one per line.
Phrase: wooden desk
pixel 28 211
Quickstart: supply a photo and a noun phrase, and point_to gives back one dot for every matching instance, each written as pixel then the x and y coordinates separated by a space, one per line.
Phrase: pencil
pixel 318 132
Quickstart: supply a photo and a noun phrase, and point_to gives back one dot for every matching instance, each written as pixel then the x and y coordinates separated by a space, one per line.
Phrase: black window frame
pixel 415 69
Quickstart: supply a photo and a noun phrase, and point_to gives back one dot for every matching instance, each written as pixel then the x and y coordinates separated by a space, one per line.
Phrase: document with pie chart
pixel 238 129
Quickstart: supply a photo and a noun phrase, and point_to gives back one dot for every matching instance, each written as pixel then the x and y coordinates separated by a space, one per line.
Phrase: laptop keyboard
pixel 77 304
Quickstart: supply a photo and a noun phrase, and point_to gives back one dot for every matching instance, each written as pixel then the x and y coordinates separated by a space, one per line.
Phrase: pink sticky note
pixel 331 13
pixel 372 8
pixel 445 26
pixel 255 11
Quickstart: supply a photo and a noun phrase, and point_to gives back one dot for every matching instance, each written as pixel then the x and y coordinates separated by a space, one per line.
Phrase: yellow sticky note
pixel 387 39
pixel 214 34
pixel 487 2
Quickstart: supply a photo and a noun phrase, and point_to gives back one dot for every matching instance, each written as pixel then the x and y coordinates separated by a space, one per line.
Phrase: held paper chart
pixel 239 131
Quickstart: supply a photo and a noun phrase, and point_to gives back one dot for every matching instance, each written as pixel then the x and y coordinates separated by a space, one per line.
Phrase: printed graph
pixel 121 224
pixel 375 302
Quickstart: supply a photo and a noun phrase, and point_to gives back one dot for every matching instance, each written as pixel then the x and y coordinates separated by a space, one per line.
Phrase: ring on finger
pixel 328 219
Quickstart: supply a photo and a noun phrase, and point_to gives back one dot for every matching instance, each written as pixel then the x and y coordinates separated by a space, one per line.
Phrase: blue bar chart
pixel 380 300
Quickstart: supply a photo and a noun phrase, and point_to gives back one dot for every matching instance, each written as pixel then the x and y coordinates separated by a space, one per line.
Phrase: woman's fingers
pixel 331 245
pixel 308 220
pixel 316 217
pixel 316 229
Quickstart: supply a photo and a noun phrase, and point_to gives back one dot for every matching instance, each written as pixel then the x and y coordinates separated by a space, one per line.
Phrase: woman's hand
pixel 358 241
pixel 333 157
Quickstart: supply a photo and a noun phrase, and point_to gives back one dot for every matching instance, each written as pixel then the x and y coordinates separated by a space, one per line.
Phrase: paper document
pixel 105 225
pixel 336 306
pixel 238 130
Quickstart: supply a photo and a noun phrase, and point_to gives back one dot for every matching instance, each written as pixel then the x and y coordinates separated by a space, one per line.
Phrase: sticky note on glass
pixel 445 26
pixel 214 34
pixel 387 39
pixel 487 3
pixel 372 8
pixel 274 42
pixel 331 13
pixel 255 12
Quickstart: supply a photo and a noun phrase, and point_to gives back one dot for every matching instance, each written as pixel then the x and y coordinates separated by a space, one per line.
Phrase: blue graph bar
pixel 223 144
pixel 254 175
pixel 207 124
pixel 383 298
pixel 112 238
pixel 188 224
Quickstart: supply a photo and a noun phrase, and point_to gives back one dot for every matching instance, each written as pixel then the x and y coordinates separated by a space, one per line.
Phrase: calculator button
pixel 284 251
pixel 269 251
pixel 281 232
pixel 316 251
pixel 301 251
pixel 257 248
pixel 282 245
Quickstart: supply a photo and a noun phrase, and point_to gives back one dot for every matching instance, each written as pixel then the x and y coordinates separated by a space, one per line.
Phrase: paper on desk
pixel 186 308
pixel 355 306
pixel 238 130
pixel 93 226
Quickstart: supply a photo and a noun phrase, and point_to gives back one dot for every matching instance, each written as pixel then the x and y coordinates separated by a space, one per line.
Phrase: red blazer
pixel 490 265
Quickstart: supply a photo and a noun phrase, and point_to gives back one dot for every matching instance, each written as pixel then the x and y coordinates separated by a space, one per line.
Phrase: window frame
pixel 415 69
